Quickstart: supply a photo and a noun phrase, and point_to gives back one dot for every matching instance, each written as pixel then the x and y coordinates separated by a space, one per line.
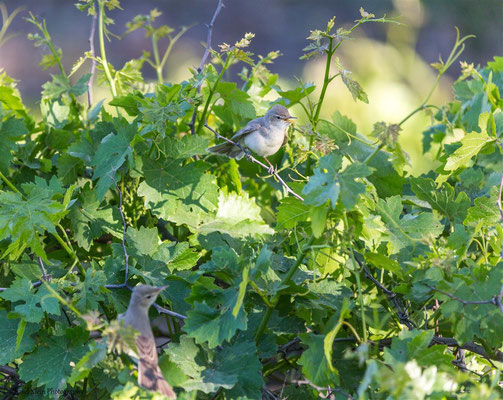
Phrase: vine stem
pixel 158 67
pixel 9 184
pixel 274 301
pixel 101 24
pixel 212 92
pixel 359 285
pixel 93 60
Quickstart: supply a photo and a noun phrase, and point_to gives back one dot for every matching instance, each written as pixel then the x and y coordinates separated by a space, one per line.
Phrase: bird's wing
pixel 285 140
pixel 149 374
pixel 250 127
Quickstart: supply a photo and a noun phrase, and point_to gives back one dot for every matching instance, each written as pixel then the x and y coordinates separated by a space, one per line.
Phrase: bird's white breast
pixel 265 145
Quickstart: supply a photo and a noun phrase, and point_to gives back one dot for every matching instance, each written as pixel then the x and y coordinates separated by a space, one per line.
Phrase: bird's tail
pixel 227 149
pixel 150 377
pixel 149 374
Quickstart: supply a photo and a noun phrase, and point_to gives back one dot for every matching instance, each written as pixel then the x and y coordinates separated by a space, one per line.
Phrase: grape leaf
pixel 408 230
pixel 314 363
pixel 49 365
pixel 206 324
pixel 112 152
pixel 327 183
pixel 443 200
pixel 8 333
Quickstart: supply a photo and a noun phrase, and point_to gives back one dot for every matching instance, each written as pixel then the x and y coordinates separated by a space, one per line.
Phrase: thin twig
pixel 498 300
pixel 163 310
pixel 33 285
pixel 253 159
pixel 401 312
pixel 203 60
pixel 12 372
pixel 45 276
pixel 93 60
pixel 495 300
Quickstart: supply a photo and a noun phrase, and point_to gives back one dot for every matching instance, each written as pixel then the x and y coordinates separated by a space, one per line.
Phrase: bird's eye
pixel 278 117
pixel 149 296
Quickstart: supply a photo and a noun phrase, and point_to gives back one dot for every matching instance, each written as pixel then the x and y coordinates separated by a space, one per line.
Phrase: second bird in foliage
pixel 149 373
pixel 264 136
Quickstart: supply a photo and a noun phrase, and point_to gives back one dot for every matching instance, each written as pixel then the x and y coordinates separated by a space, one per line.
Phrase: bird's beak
pixel 161 288
pixel 290 119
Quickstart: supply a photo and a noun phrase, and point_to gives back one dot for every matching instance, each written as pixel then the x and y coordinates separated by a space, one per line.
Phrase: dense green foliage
pixel 378 285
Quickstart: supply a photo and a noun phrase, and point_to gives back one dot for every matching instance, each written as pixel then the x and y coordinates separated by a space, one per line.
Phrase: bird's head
pixel 145 295
pixel 279 116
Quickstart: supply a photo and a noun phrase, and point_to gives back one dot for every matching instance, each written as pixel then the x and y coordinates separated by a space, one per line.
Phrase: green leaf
pixel 128 103
pixel 112 152
pixel 327 183
pixel 485 212
pixel 443 199
pixel 90 291
pixel 206 324
pixel 49 365
pixel 354 88
pixel 176 192
pixel 34 304
pixel 61 85
pixel 293 96
pixel 290 212
pixel 89 222
pixel 97 353
pixel 237 216
pixel 10 99
pixel 408 230
pixel 237 100
pixel 11 130
pixel 318 217
pixel 10 348
pixel 314 362
pixel 471 145
pixel 187 146
pixel 381 261
pixel 239 360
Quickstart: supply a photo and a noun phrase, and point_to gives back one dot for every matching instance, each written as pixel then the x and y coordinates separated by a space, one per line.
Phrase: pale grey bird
pixel 264 136
pixel 149 374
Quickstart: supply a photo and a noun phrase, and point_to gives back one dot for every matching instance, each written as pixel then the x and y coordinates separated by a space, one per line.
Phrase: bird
pixel 136 316
pixel 264 136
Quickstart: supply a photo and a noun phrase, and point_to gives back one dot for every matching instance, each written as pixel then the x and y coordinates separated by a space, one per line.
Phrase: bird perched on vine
pixel 149 374
pixel 264 136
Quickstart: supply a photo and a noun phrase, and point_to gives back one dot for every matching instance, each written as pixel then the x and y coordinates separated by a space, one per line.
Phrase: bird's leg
pixel 247 153
pixel 272 169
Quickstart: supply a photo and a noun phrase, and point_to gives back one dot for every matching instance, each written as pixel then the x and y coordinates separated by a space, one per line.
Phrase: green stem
pixel 420 108
pixel 70 252
pixel 274 301
pixel 326 80
pixel 202 120
pixel 358 284
pixel 53 50
pixel 9 184
pixel 158 66
pixel 101 25
pixel 259 292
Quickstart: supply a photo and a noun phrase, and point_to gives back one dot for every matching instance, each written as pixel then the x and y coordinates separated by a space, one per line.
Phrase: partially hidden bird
pixel 264 136
pixel 149 374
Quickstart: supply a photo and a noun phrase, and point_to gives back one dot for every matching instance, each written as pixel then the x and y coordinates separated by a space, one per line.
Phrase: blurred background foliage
pixel 390 61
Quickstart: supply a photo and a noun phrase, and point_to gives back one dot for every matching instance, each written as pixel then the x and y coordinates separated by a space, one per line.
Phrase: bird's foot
pixel 272 170
pixel 247 154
